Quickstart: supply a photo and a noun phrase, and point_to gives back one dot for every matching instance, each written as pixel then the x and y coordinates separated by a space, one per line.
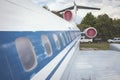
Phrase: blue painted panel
pixel 10 65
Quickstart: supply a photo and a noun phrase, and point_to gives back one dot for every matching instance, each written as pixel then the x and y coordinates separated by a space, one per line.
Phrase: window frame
pixel 21 45
pixel 48 48
pixel 57 42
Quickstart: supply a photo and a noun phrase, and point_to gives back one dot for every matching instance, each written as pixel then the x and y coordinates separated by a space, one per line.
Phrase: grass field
pixel 96 46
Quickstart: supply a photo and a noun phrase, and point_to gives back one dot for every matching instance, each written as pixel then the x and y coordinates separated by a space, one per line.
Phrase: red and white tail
pixel 69 15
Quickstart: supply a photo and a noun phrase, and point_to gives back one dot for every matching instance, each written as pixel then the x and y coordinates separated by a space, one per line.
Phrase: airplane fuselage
pixel 34 43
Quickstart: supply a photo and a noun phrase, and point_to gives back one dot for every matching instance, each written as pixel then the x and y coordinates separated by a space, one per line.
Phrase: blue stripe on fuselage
pixel 52 73
pixel 12 69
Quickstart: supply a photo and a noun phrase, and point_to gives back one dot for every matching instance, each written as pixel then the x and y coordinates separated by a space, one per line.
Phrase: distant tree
pixel 82 27
pixel 104 26
pixel 58 14
pixel 88 21
pixel 45 7
pixel 116 25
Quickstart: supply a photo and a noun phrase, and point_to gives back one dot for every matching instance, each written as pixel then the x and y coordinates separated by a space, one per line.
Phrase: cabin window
pixel 75 34
pixel 47 45
pixel 71 35
pixel 62 38
pixel 57 42
pixel 26 53
pixel 66 37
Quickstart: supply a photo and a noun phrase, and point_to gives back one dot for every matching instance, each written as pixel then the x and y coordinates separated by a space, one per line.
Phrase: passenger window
pixel 62 38
pixel 75 34
pixel 66 37
pixel 26 53
pixel 47 45
pixel 55 37
pixel 71 35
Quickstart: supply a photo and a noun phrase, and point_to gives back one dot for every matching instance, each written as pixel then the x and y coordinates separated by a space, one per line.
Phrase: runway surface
pixel 93 65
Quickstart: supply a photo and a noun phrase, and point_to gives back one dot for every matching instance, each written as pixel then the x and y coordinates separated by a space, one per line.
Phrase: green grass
pixel 98 46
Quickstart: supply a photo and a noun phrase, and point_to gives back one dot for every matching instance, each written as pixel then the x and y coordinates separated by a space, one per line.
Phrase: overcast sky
pixel 110 7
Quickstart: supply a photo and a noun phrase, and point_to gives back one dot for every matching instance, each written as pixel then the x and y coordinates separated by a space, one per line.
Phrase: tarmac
pixel 93 65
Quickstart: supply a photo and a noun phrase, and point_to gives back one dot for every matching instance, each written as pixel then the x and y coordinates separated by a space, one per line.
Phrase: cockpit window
pixel 26 53
pixel 47 45
pixel 55 37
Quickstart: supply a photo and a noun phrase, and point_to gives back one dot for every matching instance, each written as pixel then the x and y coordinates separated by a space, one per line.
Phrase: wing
pixel 79 7
pixel 85 7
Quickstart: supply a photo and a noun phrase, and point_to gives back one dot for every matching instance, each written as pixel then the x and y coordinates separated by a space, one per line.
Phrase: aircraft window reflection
pixel 55 37
pixel 26 53
pixel 62 38
pixel 66 37
pixel 47 45
pixel 71 35
pixel 74 34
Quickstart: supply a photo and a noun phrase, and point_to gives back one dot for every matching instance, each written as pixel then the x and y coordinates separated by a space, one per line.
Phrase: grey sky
pixel 110 7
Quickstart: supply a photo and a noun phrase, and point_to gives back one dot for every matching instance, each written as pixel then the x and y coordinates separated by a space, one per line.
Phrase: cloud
pixel 59 5
pixel 110 7
pixel 43 2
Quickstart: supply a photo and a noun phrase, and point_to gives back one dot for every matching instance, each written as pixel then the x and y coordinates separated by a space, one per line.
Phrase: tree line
pixel 106 26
